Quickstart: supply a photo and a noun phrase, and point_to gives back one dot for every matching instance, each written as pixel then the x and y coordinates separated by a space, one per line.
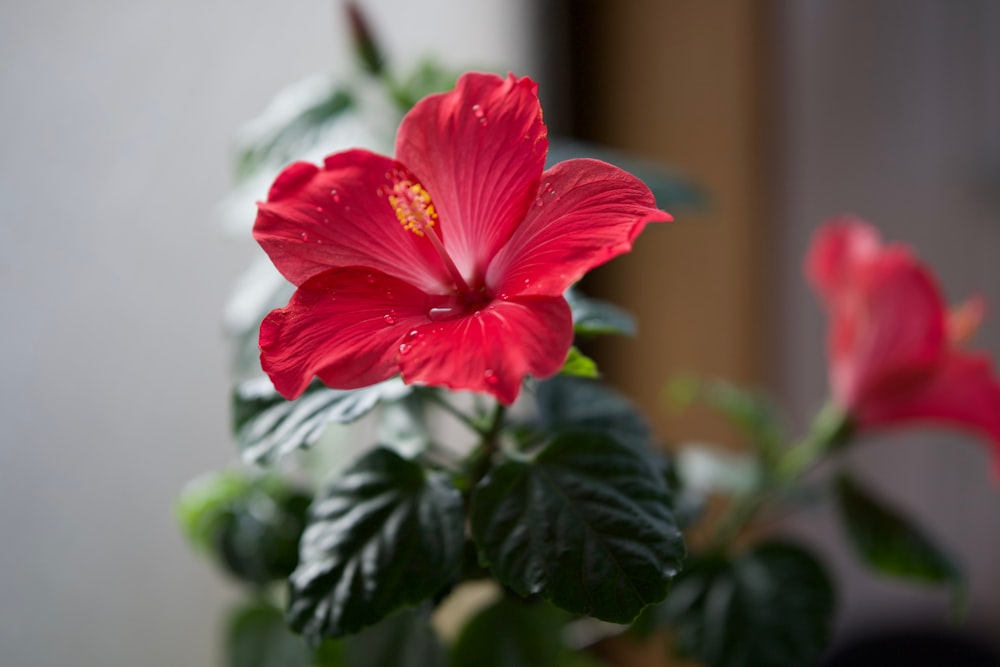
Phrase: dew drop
pixel 370 278
pixel 389 295
pixel 476 314
pixel 390 317
pixel 480 113
pixel 335 195
pixel 527 281
pixel 319 209
pixel 490 377
pixel 504 297
pixel 305 237
pixel 445 313
pixel 404 348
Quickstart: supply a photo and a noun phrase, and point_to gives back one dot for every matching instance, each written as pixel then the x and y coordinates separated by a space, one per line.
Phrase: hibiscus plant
pixel 432 293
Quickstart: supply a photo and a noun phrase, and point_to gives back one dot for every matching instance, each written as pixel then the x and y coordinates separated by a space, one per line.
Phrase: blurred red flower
pixel 448 264
pixel 894 349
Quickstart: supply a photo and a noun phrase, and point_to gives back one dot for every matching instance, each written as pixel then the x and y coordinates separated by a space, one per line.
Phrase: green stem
pixel 830 429
pixel 443 403
pixel 479 461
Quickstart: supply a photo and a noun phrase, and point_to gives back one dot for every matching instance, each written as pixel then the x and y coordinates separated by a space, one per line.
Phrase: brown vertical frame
pixel 681 82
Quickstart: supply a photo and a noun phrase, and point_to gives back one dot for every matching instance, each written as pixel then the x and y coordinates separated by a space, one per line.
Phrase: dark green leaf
pixel 579 365
pixel 403 640
pixel 586 523
pixel 258 637
pixel 268 427
pixel 386 534
pixel 672 191
pixel 285 141
pixel 771 607
pixel 567 403
pixel 511 633
pixel 258 537
pixel 888 542
pixel 251 525
pixel 592 316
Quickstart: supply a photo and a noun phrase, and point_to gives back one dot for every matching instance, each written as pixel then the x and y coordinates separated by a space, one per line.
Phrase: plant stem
pixel 830 429
pixel 443 403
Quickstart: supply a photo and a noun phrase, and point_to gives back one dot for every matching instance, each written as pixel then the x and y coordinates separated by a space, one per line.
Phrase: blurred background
pixel 116 127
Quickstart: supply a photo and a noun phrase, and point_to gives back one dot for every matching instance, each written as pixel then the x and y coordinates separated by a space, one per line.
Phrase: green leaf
pixel 887 542
pixel 386 534
pixel 204 502
pixel 749 412
pixel 592 316
pixel 672 191
pixel 251 525
pixel 770 607
pixel 280 143
pixel 511 633
pixel 429 77
pixel 256 636
pixel 268 427
pixel 585 523
pixel 405 639
pixel 579 365
pixel 567 403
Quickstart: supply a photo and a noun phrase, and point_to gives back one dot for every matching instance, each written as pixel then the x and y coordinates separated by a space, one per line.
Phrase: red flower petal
pixel 585 213
pixel 963 391
pixel 317 219
pixel 492 350
pixel 888 326
pixel 479 150
pixel 837 249
pixel 345 326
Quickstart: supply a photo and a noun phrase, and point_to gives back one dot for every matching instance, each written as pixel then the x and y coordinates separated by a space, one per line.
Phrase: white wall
pixel 892 111
pixel 115 124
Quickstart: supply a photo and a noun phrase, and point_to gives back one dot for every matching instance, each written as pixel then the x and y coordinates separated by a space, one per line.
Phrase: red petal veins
pixel 339 216
pixel 492 350
pixel 345 326
pixel 585 213
pixel 480 151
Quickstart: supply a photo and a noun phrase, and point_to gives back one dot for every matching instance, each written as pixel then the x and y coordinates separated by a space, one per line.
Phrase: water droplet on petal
pixel 490 377
pixel 305 237
pixel 527 281
pixel 390 317
pixel 370 278
pixel 389 295
pixel 476 314
pixel 404 348
pixel 445 313
pixel 335 195
pixel 480 113
pixel 504 296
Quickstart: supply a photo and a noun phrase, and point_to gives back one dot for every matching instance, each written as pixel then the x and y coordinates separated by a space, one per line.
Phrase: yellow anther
pixel 413 206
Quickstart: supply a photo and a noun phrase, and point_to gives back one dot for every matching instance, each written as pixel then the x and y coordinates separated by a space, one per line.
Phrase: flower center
pixel 415 211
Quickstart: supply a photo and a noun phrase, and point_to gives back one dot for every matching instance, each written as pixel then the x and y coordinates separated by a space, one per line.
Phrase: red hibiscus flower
pixel 448 263
pixel 894 349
